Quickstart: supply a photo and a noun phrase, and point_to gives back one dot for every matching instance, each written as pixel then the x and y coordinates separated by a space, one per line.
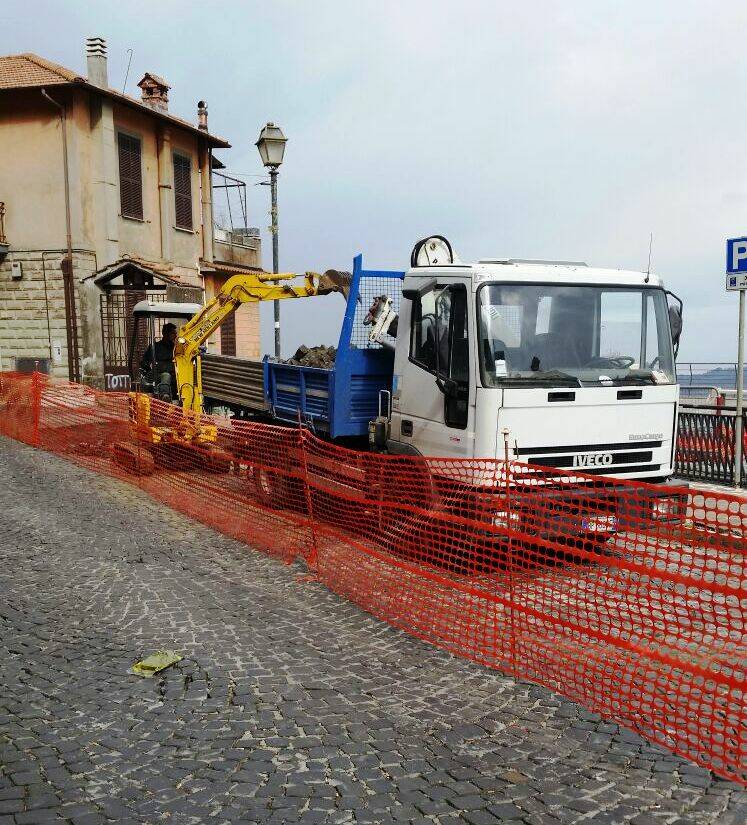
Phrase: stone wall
pixel 32 308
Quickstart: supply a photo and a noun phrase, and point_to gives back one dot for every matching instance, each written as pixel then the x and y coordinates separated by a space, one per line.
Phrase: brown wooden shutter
pixel 182 192
pixel 130 177
pixel 228 335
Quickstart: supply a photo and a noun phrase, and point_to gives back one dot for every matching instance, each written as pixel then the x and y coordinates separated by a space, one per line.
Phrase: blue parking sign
pixel 736 255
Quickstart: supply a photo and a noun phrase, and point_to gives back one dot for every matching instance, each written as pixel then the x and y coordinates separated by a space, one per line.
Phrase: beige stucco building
pixel 124 190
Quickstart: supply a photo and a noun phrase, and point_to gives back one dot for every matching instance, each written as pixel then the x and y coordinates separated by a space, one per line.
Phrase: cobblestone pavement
pixel 289 706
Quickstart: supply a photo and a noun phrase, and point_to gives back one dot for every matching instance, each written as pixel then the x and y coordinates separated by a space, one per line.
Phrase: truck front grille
pixel 595 459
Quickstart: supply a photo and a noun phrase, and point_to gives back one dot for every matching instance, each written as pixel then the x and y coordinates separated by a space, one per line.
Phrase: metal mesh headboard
pixel 371 287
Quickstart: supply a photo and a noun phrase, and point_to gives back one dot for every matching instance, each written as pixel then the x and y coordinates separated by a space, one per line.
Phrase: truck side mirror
pixel 675 322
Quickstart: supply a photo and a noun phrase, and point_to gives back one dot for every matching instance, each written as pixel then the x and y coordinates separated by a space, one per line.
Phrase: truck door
pixel 435 410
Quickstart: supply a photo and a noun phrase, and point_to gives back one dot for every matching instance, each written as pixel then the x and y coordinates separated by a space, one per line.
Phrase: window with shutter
pixel 228 335
pixel 183 192
pixel 130 176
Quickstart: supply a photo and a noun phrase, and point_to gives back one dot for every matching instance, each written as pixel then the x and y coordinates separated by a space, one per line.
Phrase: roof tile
pixel 28 70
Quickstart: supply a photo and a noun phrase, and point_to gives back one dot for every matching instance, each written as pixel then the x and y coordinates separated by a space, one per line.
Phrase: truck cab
pixel 567 365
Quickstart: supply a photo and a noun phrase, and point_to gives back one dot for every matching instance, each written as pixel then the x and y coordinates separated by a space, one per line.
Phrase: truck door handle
pixel 406 427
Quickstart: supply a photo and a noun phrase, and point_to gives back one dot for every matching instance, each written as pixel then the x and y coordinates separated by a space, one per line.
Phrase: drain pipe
pixel 71 318
pixel 46 304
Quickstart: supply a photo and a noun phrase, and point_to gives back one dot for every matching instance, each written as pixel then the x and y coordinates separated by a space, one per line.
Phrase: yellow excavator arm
pixel 238 289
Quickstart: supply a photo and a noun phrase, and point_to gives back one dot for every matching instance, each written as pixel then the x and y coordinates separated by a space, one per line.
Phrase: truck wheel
pixel 269 488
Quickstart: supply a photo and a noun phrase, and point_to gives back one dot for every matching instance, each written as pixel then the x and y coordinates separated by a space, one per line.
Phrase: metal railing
pixel 721 374
pixel 706 441
pixel 2 223
pixel 233 200
pixel 230 210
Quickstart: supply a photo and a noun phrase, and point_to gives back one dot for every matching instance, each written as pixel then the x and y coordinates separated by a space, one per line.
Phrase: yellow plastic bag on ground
pixel 156 662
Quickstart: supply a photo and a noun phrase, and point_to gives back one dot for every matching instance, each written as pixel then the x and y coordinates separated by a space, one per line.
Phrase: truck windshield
pixel 571 335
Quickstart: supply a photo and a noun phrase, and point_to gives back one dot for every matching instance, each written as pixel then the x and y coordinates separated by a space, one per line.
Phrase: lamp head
pixel 271 145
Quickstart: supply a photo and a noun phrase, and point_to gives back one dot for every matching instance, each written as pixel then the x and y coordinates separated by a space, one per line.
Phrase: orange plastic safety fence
pixel 627 597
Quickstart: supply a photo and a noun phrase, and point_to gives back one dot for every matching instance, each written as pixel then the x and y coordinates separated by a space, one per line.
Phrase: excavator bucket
pixel 335 280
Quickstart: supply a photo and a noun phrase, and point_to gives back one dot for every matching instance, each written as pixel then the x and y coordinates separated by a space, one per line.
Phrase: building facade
pixel 106 200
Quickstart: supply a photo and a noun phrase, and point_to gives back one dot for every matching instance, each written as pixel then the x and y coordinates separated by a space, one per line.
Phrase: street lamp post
pixel 271 145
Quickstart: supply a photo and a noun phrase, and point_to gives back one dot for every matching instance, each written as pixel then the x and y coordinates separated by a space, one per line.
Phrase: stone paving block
pixel 12 806
pixel 504 810
pixel 38 817
pixel 481 817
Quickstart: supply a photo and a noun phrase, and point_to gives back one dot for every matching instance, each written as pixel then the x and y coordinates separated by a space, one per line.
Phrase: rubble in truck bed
pixel 321 356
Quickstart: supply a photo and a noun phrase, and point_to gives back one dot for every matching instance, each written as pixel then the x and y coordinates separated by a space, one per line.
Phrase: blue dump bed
pixel 340 401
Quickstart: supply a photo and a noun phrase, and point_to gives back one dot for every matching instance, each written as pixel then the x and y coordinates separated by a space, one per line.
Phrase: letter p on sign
pixel 736 255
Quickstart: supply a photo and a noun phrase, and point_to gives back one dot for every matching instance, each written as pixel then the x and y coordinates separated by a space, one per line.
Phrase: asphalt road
pixel 290 705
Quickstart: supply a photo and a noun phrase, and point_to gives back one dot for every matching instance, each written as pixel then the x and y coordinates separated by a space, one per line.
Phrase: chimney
pixel 202 115
pixel 96 58
pixel 155 92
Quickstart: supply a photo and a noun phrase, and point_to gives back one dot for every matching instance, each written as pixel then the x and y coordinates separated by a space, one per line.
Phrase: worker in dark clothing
pixel 158 363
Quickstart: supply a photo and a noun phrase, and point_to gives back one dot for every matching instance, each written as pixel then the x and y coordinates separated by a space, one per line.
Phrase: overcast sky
pixel 566 130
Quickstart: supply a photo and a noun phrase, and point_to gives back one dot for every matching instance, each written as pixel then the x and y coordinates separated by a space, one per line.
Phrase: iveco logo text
pixel 594 460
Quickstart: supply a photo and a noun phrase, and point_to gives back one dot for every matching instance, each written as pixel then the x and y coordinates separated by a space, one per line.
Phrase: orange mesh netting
pixel 627 597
